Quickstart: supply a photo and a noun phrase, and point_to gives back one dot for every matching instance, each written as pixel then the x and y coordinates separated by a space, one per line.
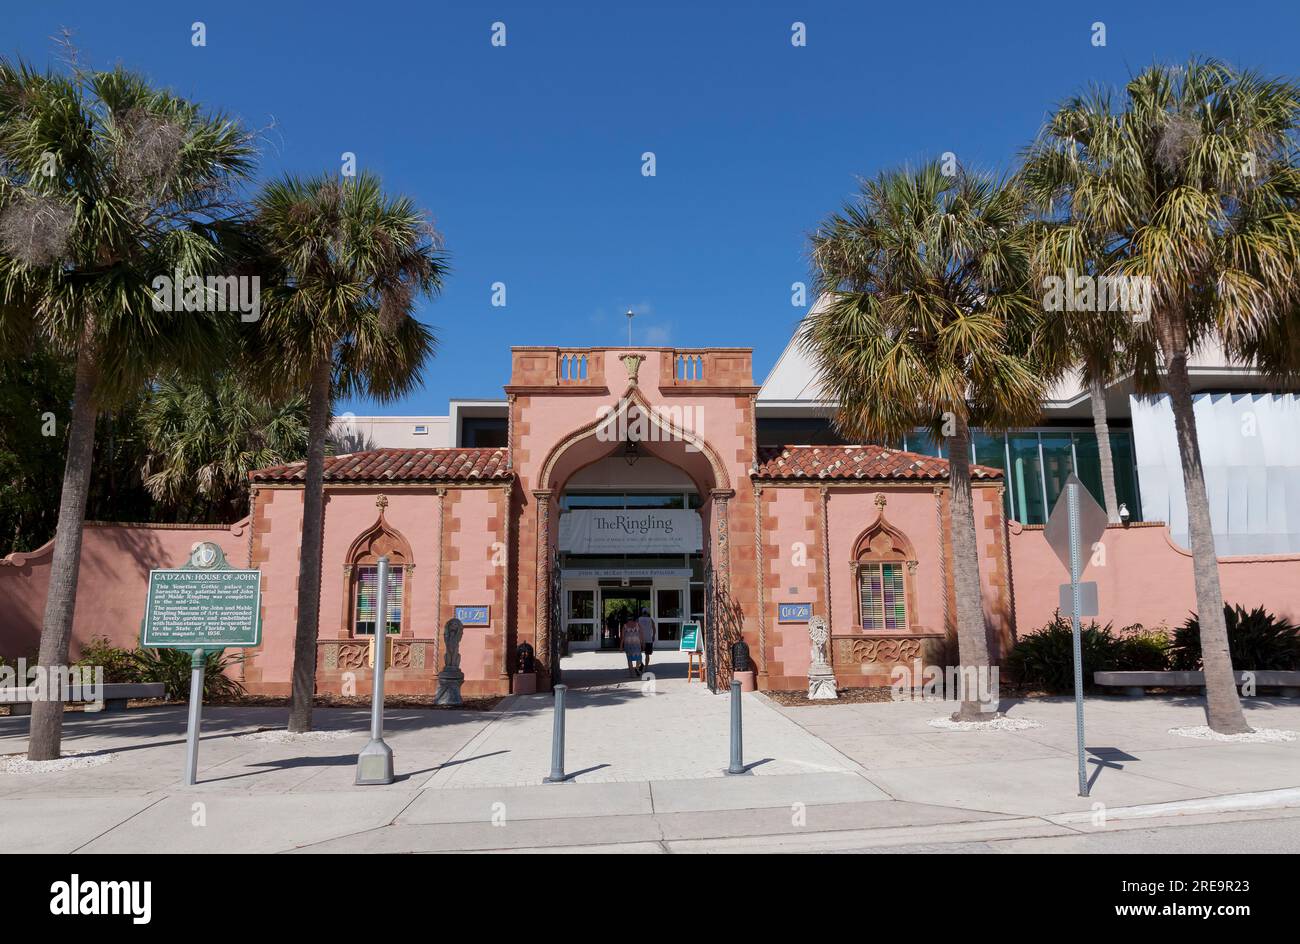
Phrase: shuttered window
pixel 368 600
pixel 882 598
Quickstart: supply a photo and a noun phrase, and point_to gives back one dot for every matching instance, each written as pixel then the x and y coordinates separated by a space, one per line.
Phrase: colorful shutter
pixel 882 597
pixel 368 599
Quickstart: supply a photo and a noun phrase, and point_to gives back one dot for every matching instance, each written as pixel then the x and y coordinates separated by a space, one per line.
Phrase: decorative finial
pixel 381 502
pixel 880 500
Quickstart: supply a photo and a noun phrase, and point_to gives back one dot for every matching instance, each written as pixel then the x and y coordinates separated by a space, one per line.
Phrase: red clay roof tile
pixel 401 465
pixel 855 462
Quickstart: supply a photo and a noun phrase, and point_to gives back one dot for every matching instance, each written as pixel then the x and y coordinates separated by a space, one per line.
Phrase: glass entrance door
pixel 580 620
pixel 669 611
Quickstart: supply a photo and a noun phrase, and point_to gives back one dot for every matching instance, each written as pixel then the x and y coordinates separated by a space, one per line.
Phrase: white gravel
pixel 995 724
pixel 71 760
pixel 1204 732
pixel 281 736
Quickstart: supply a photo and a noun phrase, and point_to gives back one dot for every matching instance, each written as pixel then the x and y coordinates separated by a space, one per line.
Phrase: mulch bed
pixel 482 703
pixel 858 696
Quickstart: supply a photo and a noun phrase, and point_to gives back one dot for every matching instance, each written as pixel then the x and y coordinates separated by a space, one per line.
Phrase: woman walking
pixel 632 646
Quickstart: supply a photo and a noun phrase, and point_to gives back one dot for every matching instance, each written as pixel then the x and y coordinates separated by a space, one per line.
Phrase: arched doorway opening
pixel 636 503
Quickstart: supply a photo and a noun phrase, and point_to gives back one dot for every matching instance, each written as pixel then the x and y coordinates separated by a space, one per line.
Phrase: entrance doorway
pixel 594 609
pixel 617 604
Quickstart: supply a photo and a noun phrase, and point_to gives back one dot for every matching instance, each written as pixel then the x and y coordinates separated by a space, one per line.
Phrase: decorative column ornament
pixel 826 549
pixel 633 364
pixel 821 677
pixel 760 565
pixel 943 561
pixel 720 498
pixel 543 620
pixel 441 492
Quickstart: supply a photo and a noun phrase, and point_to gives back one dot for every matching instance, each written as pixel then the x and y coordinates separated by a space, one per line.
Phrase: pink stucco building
pixel 621 479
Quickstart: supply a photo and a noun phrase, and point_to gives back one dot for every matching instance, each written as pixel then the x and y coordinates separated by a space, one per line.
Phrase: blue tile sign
pixel 474 615
pixel 793 612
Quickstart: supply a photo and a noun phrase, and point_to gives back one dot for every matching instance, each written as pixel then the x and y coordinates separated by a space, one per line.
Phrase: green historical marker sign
pixel 203 605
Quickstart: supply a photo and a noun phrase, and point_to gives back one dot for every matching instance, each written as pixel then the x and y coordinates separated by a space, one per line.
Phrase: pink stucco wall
pixel 1145 579
pixel 113 582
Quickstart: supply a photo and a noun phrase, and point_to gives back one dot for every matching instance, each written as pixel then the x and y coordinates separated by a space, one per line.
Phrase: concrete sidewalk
pixel 647 776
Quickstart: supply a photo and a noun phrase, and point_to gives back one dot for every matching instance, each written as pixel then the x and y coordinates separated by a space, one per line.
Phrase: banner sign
pixel 209 609
pixel 631 531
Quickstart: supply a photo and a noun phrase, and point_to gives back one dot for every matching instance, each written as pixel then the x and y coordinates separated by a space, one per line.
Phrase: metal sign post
pixel 375 762
pixel 201 607
pixel 197 658
pixel 1076 520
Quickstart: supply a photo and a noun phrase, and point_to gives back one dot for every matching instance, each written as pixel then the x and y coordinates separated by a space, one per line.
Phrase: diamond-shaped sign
pixel 1092 521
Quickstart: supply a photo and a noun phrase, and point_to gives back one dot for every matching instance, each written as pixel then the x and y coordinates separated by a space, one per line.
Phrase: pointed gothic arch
pixel 381 539
pixel 884 577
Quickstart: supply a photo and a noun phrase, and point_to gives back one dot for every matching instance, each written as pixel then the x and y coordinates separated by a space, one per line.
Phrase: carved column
pixel 826 553
pixel 506 578
pixel 441 492
pixel 760 566
pixel 543 644
pixel 943 561
pixel 720 499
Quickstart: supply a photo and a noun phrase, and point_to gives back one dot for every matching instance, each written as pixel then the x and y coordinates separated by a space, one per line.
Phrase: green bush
pixel 1142 650
pixel 1045 658
pixel 172 668
pixel 1257 640
pixel 120 665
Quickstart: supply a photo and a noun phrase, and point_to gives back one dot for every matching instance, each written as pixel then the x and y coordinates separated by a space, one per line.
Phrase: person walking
pixel 647 627
pixel 632 646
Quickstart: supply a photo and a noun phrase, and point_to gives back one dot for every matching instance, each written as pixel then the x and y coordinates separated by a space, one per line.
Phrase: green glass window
pixel 1026 479
pixel 1058 463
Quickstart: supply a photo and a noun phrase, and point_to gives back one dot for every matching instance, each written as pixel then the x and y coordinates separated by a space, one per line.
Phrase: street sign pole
pixel 1072 496
pixel 375 762
pixel 197 658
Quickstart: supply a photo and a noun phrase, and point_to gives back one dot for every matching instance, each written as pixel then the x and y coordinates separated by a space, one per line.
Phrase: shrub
pixel 120 665
pixel 1139 649
pixel 1257 640
pixel 172 668
pixel 1045 658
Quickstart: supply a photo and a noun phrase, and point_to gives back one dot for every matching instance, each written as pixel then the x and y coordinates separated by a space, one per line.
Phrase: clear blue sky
pixel 529 156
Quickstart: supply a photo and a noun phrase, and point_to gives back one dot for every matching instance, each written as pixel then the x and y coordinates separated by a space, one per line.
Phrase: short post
pixel 557 737
pixel 197 658
pixel 375 762
pixel 737 745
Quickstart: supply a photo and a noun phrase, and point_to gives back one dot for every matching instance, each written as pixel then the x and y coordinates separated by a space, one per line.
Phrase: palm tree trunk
pixel 313 526
pixel 61 599
pixel 1222 706
pixel 972 638
pixel 1097 396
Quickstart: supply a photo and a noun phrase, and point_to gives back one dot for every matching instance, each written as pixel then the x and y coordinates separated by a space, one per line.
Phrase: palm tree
pixel 929 321
pixel 105 183
pixel 205 436
pixel 347 264
pixel 1194 182
pixel 1092 345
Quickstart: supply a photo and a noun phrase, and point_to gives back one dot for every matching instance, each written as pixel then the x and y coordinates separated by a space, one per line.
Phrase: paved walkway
pixel 646 759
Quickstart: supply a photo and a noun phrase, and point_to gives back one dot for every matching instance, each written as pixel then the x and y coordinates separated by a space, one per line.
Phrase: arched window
pixel 361 573
pixel 884 569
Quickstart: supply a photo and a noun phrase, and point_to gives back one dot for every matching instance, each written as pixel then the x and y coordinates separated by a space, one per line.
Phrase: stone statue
pixel 451 677
pixel 821 677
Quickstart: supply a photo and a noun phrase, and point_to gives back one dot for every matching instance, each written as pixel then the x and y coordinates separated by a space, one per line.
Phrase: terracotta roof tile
pixel 855 462
pixel 401 465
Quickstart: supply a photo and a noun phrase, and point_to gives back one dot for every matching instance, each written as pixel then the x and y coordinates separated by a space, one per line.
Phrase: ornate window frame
pixel 378 540
pixel 882 543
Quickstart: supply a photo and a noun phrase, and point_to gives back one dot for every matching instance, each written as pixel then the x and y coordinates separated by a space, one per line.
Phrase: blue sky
pixel 529 156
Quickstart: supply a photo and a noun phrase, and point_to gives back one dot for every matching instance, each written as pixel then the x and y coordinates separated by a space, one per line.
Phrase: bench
pixel 115 696
pixel 1136 683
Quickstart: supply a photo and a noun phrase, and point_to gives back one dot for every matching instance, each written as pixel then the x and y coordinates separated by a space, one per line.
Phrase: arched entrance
pixel 633 516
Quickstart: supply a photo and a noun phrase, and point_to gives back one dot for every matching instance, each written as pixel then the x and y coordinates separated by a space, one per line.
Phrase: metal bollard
pixel 737 745
pixel 557 737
